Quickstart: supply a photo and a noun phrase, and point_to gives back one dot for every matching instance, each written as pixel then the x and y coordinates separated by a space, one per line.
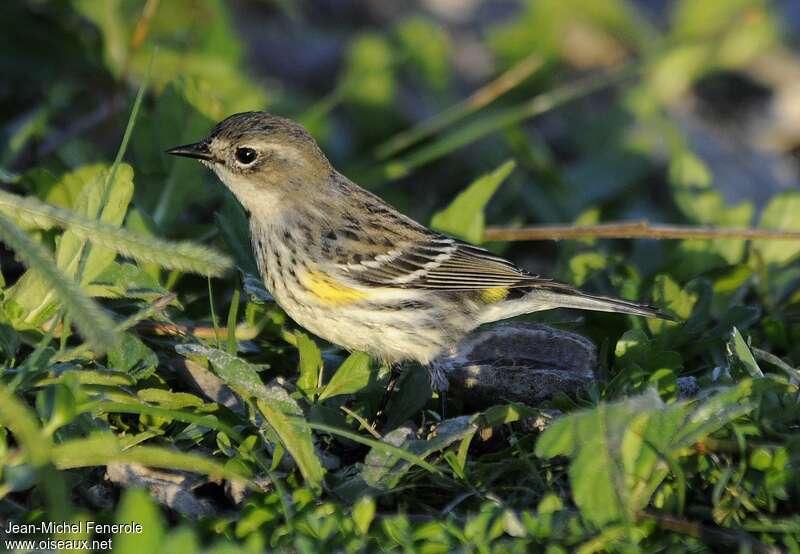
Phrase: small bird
pixel 353 270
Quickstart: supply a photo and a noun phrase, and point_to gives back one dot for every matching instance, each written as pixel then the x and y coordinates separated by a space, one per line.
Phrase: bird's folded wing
pixel 435 262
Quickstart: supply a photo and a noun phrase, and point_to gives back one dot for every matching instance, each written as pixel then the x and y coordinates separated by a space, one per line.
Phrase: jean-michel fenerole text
pixel 77 527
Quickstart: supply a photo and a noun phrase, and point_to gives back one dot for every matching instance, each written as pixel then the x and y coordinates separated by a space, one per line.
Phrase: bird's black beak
pixel 198 151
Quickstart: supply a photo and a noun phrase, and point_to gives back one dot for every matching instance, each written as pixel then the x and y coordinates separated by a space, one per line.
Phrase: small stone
pixel 518 362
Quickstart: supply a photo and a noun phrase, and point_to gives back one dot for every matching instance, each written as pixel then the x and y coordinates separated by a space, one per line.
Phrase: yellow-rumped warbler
pixel 353 270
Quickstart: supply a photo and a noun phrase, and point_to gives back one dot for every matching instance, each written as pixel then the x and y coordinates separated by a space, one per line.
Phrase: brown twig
pixel 634 230
pixel 366 425
pixel 714 535
pixel 139 34
pixel 243 332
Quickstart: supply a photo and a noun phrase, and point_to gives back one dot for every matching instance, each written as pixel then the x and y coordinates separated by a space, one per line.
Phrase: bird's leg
pixel 394 375
pixel 440 384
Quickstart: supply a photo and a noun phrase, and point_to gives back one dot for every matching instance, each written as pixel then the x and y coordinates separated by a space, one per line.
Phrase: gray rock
pixel 519 362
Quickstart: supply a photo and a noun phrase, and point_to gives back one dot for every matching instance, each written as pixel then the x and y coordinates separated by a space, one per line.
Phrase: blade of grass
pixel 212 422
pixel 232 313
pixel 126 136
pixel 485 126
pixel 89 317
pixel 19 419
pixel 474 102
pixel 380 445
pixel 106 449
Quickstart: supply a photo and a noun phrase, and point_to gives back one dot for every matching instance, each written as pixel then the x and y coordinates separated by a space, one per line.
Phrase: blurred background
pixel 676 112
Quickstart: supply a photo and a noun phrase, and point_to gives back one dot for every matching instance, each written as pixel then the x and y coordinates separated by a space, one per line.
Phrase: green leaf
pixel 137 506
pixel 692 190
pixel 464 217
pixel 352 376
pixel 132 356
pixel 310 363
pixel 273 402
pixel 368 76
pixel 103 449
pixel 235 371
pixel 383 469
pixel 297 441
pixel 781 213
pixel 668 295
pixel 93 323
pixel 740 352
pixel 621 452
pixel 169 399
pixel 428 48
pixel 363 513
pixel 36 300
pixel 206 420
pixel 412 393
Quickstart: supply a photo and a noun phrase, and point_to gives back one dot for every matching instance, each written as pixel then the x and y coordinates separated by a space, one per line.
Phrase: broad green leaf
pixel 169 399
pixel 669 296
pixel 428 48
pixel 75 256
pixel 782 212
pixel 310 363
pixel 352 376
pixel 621 452
pixel 62 192
pixel 363 513
pixel 383 469
pixel 101 200
pixel 583 265
pixel 103 449
pixel 274 403
pixel 464 217
pixel 740 352
pixel 297 441
pixel 44 275
pixel 132 356
pixel 137 506
pixel 235 371
pixel 413 392
pixel 692 190
pixel 368 75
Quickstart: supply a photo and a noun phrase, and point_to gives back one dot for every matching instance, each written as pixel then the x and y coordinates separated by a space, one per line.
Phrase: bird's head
pixel 260 157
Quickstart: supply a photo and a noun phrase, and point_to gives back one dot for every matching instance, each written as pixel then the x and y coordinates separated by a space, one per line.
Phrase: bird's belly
pixel 391 336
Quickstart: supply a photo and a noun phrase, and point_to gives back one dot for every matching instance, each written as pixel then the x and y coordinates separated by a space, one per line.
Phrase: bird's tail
pixel 584 301
pixel 557 295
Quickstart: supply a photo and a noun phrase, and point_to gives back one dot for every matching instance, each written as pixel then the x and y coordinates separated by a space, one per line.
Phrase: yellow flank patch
pixel 496 294
pixel 327 291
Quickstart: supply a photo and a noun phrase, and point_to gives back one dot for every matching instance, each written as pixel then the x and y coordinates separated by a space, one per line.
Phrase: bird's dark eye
pixel 246 155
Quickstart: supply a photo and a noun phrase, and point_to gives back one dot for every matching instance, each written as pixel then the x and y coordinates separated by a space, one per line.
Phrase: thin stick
pixel 474 102
pixel 364 423
pixel 714 535
pixel 634 230
pixel 139 34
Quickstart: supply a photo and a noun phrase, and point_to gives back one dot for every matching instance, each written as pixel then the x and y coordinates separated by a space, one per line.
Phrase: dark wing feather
pixel 438 262
pixel 390 249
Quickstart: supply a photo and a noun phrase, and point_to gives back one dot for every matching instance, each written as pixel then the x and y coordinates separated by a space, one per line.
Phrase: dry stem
pixel 634 230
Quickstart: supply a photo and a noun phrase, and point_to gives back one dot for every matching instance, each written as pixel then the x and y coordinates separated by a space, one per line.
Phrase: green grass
pixel 134 333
